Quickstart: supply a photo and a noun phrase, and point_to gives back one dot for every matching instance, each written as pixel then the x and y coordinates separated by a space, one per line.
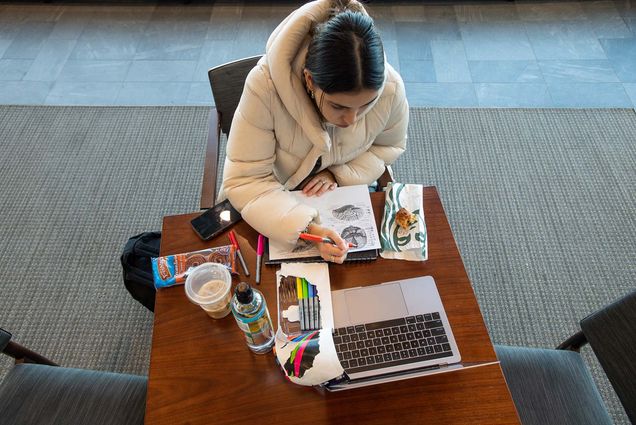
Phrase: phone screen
pixel 215 220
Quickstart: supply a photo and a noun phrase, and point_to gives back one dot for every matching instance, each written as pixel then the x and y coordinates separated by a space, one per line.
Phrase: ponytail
pixel 339 6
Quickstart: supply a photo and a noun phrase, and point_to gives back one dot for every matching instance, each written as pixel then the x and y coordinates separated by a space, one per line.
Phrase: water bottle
pixel 250 311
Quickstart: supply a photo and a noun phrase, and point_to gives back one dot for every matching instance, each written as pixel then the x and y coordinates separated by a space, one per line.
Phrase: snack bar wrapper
pixel 173 269
pixel 404 239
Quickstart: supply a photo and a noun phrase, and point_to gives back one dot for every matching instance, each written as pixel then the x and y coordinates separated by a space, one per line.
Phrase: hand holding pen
pixel 321 239
pixel 334 251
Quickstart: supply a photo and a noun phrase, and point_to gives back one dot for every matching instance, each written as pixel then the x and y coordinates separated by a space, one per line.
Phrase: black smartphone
pixel 215 220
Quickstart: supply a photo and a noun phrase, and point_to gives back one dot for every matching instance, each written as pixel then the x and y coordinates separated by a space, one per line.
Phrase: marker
pixel 312 313
pixel 259 257
pixel 299 294
pixel 306 304
pixel 319 319
pixel 316 307
pixel 238 252
pixel 316 238
pixel 303 284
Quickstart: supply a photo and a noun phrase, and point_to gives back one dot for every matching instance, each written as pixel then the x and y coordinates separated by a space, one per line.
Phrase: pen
pixel 299 294
pixel 238 251
pixel 259 257
pixel 316 238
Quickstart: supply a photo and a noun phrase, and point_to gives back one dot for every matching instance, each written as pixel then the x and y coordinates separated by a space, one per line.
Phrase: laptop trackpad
pixel 375 303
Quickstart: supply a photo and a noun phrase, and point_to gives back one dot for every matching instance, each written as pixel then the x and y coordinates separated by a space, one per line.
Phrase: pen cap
pixel 244 293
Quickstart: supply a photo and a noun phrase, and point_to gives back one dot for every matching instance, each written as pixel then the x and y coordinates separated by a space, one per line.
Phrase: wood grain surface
pixel 202 372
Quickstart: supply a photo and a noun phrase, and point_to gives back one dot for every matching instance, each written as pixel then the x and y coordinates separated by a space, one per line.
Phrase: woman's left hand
pixel 321 183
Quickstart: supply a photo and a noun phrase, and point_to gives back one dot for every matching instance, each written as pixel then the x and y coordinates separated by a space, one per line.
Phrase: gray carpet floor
pixel 541 203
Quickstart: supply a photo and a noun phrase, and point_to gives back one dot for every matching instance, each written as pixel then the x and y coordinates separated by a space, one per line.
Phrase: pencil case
pixel 173 269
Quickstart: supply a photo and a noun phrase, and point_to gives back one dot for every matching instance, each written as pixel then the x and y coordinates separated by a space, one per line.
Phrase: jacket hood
pixel 285 57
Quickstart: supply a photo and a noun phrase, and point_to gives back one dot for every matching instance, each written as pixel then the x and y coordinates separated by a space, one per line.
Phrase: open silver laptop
pixel 394 330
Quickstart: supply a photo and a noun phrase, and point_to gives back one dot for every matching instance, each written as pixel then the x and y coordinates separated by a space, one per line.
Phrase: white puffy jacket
pixel 277 135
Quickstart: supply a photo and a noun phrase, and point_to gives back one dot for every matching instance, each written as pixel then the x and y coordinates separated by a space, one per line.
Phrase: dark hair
pixel 346 54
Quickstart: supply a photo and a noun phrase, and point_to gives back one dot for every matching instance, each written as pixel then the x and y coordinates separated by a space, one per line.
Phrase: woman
pixel 322 108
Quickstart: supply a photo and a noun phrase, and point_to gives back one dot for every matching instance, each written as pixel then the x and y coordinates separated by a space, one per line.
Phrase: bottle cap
pixel 244 293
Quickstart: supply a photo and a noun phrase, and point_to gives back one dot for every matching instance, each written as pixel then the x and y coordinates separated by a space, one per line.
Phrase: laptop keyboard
pixel 391 343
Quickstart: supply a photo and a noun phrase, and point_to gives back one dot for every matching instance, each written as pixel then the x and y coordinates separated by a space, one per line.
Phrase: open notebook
pixel 348 211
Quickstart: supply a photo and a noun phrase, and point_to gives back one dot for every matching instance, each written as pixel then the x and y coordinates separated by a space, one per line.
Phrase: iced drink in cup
pixel 208 285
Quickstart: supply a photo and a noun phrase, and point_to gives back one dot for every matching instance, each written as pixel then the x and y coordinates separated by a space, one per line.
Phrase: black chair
pixel 226 82
pixel 555 387
pixel 37 391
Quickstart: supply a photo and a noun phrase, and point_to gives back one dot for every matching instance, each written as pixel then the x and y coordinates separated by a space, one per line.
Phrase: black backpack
pixel 137 268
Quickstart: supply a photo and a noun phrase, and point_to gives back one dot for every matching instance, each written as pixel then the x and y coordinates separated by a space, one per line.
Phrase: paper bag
pixel 399 243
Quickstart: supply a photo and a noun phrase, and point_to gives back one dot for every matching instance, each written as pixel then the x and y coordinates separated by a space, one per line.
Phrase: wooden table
pixel 201 371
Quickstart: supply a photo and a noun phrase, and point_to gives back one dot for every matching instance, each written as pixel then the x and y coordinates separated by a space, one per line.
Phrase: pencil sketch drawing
pixel 348 213
pixel 302 246
pixel 355 235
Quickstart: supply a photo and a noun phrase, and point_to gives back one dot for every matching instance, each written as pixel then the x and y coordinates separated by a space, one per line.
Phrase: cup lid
pixel 198 286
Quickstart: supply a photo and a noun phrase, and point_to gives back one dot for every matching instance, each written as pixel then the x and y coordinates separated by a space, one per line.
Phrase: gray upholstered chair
pixel 555 387
pixel 37 391
pixel 226 82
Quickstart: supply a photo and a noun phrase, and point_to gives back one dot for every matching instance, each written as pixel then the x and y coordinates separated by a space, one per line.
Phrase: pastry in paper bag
pixel 403 230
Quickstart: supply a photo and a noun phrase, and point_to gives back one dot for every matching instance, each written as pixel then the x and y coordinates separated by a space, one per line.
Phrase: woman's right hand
pixel 329 252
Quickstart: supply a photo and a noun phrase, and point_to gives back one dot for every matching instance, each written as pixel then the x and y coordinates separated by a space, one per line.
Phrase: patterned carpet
pixel 541 203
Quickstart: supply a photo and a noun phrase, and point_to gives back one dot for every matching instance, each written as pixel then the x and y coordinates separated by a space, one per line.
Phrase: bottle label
pixel 257 330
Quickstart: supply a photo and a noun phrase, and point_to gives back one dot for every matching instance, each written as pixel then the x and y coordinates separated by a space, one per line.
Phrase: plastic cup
pixel 208 285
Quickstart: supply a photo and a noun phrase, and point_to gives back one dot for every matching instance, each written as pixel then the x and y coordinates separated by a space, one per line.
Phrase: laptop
pixel 391 331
